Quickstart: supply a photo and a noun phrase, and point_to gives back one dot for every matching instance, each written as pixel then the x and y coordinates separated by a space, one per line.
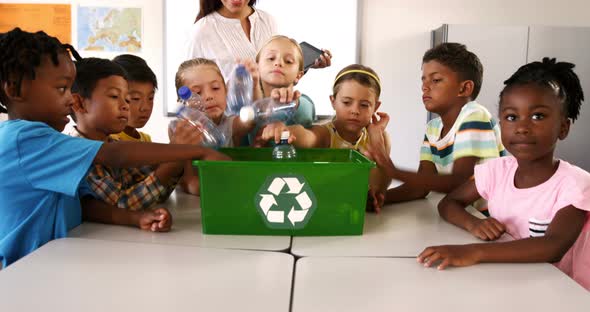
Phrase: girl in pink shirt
pixel 541 201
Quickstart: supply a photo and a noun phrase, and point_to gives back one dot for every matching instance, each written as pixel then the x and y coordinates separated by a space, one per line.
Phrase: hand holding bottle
pixel 285 95
pixel 240 88
pixel 273 132
pixel 284 151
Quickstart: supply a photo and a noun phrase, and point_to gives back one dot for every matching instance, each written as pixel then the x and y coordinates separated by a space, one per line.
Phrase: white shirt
pixel 222 39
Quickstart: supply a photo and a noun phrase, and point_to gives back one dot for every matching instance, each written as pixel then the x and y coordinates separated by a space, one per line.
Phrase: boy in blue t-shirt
pixel 42 170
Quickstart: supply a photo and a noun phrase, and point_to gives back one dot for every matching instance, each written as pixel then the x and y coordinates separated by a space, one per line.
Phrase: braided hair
pixel 559 77
pixel 21 52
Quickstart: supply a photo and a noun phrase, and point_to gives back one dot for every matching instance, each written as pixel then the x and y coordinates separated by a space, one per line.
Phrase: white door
pixel 501 50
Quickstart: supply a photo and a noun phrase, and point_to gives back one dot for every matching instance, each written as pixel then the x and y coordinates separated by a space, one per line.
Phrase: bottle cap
pixel 241 70
pixel 247 114
pixel 285 135
pixel 184 92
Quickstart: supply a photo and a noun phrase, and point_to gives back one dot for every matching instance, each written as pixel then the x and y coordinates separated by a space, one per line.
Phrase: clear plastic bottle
pixel 212 136
pixel 268 110
pixel 284 151
pixel 239 90
pixel 188 98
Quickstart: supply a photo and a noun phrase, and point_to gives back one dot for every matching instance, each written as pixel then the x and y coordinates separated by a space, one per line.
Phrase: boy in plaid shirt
pixel 101 108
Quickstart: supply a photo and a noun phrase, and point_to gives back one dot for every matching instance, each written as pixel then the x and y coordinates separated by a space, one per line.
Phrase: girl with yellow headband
pixel 355 99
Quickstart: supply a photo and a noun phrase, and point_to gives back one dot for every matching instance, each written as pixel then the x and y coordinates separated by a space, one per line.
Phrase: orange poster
pixel 54 19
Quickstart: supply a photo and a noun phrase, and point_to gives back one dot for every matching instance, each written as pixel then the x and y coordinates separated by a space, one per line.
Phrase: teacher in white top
pixel 227 30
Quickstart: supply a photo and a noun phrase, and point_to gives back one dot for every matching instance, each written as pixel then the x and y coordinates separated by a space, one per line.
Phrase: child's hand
pixel 324 60
pixel 271 131
pixel 487 229
pixel 186 133
pixel 378 125
pixel 449 255
pixel 285 95
pixel 252 68
pixel 376 148
pixel 375 201
pixel 158 220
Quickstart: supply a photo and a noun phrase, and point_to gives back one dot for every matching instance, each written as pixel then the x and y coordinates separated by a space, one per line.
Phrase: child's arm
pixel 314 137
pixel 452 209
pixel 94 210
pixel 131 188
pixel 475 133
pixel 190 180
pixel 405 191
pixel 282 95
pixel 272 132
pixel 560 236
pixel 168 173
pixel 378 152
pixel 378 178
pixel 429 179
pixel 419 184
pixel 136 154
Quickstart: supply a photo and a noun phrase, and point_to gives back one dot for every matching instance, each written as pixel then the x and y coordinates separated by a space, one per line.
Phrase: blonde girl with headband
pixel 355 99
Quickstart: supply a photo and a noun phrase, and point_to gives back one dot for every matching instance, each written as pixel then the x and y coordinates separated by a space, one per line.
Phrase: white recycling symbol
pixel 268 200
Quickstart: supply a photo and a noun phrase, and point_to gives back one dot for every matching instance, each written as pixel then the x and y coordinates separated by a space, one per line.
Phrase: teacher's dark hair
pixel 210 6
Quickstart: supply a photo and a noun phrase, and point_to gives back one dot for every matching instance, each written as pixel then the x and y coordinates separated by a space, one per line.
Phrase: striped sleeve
pixel 425 151
pixel 478 136
pixel 428 152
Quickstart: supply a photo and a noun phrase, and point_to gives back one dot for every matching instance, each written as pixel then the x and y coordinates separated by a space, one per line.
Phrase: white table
pixel 398 284
pixel 74 274
pixel 400 230
pixel 186 230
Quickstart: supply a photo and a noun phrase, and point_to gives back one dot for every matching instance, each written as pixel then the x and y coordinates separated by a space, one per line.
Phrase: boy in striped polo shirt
pixel 462 136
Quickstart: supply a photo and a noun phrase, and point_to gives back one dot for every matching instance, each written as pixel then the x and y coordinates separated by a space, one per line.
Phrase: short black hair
pixel 559 77
pixel 92 69
pixel 137 69
pixel 456 57
pixel 21 52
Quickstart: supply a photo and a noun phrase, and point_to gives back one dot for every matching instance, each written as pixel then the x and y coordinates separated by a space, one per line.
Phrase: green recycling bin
pixel 323 192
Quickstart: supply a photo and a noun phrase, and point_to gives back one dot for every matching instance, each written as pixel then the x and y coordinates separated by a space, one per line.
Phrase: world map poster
pixel 109 29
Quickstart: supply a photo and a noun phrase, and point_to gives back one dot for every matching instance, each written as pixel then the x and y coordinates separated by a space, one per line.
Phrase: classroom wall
pixel 396 33
pixel 394 36
pixel 152 52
